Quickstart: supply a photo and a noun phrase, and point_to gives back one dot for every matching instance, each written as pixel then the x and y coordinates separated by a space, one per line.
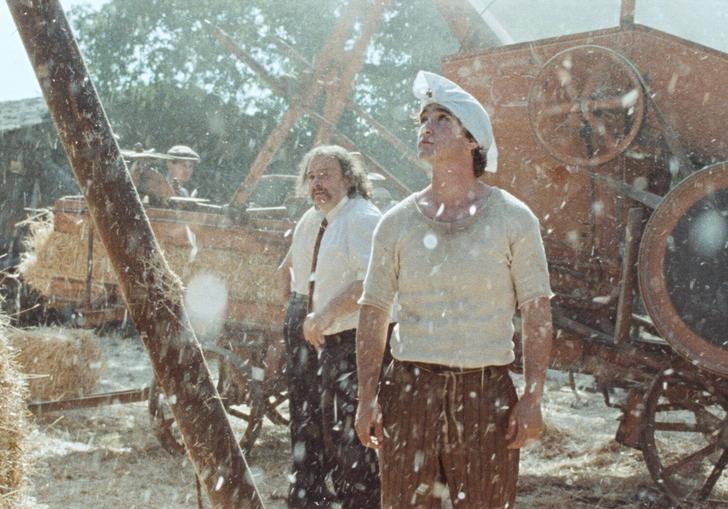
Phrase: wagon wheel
pixel 264 356
pixel 586 105
pixel 685 438
pixel 163 423
pixel 241 395
pixel 241 390
pixel 683 268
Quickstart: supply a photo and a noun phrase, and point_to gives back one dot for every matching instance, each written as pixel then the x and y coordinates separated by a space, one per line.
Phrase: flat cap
pixel 183 152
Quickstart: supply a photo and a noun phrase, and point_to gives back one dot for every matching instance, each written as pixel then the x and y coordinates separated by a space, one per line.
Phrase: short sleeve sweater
pixel 458 283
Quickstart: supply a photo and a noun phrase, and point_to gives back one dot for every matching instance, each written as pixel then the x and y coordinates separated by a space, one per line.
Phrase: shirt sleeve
pixel 529 268
pixel 381 282
pixel 360 242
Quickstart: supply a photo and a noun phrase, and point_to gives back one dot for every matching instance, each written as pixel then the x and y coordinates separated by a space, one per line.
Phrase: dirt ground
pixel 108 457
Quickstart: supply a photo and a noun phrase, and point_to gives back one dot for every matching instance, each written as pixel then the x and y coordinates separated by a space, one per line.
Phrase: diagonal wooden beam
pixel 309 91
pixel 380 128
pixel 296 108
pixel 338 93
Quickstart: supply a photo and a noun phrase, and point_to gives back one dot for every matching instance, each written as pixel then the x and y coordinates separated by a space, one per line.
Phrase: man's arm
pixel 343 304
pixel 526 420
pixel 283 277
pixel 371 340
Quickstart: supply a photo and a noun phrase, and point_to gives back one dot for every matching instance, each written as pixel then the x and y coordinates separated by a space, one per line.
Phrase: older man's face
pixel 326 182
pixel 180 170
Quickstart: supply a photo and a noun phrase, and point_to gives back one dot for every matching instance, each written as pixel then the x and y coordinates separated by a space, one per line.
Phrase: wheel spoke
pixel 590 84
pixel 560 109
pixel 680 427
pixel 698 455
pixel 237 413
pixel 714 476
pixel 685 468
pixel 615 103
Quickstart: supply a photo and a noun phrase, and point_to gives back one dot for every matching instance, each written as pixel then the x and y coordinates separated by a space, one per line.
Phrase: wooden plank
pixel 337 96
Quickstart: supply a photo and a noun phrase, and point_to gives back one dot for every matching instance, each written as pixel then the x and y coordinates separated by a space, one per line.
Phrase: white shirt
pixel 344 255
pixel 301 251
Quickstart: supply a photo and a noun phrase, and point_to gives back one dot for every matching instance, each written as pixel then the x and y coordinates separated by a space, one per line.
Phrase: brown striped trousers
pixel 445 430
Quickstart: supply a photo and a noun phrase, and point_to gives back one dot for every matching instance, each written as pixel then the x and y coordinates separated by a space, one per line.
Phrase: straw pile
pixel 59 363
pixel 13 427
pixel 57 254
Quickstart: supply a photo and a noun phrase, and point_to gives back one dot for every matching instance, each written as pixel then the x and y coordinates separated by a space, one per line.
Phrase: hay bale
pixel 59 363
pixel 14 464
pixel 53 254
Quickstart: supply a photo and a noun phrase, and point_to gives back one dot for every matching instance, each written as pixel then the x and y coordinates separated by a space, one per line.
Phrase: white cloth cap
pixel 432 88
pixel 183 153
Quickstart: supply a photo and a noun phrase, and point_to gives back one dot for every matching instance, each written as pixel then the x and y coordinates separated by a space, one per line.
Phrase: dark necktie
pixel 312 277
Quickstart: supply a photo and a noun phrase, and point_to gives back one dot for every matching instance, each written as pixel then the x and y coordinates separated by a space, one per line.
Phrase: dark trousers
pixel 355 470
pixel 445 430
pixel 309 470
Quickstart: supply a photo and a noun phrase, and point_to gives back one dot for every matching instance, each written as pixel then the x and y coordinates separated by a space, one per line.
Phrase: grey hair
pixel 351 168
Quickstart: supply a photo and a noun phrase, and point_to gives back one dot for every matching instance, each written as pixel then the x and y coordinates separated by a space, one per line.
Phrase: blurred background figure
pixel 180 166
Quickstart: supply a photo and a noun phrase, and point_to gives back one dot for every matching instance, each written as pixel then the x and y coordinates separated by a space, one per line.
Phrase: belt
pixel 440 369
pixel 298 297
pixel 341 337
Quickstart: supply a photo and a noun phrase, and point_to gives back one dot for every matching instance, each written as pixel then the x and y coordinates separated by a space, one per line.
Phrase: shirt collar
pixel 336 210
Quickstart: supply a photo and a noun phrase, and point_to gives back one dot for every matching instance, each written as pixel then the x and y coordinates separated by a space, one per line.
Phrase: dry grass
pixel 54 254
pixel 59 363
pixel 13 427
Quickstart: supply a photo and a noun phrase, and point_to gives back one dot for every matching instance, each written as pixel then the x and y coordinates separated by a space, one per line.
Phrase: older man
pixel 340 190
pixel 462 256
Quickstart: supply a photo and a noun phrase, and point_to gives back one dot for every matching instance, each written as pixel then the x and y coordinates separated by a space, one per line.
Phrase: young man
pixel 340 190
pixel 180 167
pixel 461 256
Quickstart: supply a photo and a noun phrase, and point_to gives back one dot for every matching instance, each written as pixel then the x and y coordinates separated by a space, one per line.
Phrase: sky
pixel 703 21
pixel 18 80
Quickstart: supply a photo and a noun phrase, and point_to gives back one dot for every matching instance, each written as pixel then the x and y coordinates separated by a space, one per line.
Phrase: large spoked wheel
pixel 163 423
pixel 685 438
pixel 246 392
pixel 241 390
pixel 586 105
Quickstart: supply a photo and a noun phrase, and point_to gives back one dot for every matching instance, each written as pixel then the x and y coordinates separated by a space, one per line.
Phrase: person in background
pixel 340 189
pixel 462 257
pixel 180 166
pixel 308 462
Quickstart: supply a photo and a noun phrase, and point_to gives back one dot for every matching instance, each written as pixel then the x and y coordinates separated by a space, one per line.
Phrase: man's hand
pixel 368 419
pixel 525 423
pixel 313 330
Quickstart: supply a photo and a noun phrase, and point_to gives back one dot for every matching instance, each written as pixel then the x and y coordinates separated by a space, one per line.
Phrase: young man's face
pixel 441 135
pixel 180 170
pixel 326 183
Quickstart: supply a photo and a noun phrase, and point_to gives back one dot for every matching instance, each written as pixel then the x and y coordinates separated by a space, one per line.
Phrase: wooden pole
pixel 626 14
pixel 629 275
pixel 309 91
pixel 337 95
pixel 383 131
pixel 152 292
pixel 297 107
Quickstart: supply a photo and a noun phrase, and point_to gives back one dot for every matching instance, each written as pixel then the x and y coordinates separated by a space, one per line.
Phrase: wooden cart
pixel 228 265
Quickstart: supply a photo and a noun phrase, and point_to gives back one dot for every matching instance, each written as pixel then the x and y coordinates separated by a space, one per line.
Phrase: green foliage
pixel 164 79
